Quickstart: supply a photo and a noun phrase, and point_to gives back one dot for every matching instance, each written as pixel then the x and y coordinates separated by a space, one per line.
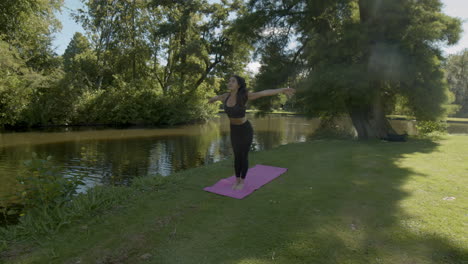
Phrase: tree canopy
pixel 156 62
pixel 357 55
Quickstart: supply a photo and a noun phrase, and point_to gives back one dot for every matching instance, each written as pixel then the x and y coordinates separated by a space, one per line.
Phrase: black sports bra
pixel 236 111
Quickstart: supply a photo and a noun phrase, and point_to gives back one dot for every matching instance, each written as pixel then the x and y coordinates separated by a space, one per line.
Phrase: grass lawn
pixel 340 202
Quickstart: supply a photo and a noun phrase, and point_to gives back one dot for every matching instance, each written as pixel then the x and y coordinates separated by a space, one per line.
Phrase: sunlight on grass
pixel 252 261
pixel 340 202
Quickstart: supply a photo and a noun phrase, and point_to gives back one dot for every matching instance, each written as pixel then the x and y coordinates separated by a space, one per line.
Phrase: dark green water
pixel 115 156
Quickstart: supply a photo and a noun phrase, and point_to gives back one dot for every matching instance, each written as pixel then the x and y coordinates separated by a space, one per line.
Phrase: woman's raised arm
pixel 270 92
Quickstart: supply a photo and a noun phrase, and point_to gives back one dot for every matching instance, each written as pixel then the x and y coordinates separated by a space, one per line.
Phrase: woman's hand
pixel 289 91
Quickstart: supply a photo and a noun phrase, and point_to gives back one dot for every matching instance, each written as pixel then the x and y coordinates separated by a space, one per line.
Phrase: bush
pixel 43 192
pixel 44 221
pixel 50 201
pixel 44 185
pixel 52 101
pixel 427 127
pixel 139 103
pixel 119 106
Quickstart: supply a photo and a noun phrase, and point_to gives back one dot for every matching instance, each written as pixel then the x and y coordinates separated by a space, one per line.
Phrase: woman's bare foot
pixel 240 185
pixel 234 186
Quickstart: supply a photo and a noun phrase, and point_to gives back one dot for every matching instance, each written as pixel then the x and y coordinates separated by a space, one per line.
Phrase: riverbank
pixel 392 117
pixel 449 119
pixel 339 202
pixel 54 128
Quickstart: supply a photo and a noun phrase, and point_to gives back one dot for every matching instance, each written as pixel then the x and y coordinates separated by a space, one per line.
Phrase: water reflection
pixel 115 156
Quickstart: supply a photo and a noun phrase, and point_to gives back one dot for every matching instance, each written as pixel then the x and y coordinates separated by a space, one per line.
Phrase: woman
pixel 241 129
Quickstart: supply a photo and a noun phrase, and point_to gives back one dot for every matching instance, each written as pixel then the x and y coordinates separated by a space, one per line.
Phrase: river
pixel 110 156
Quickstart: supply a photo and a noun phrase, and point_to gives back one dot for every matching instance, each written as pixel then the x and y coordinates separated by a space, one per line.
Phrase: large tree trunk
pixel 370 121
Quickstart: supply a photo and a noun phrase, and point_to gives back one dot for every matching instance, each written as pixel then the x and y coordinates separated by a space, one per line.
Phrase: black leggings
pixel 241 140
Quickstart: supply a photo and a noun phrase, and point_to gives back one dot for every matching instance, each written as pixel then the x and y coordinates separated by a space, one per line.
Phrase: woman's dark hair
pixel 242 92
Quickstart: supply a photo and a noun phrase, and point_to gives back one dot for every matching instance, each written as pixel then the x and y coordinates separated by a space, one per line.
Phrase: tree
pixel 174 51
pixel 195 41
pixel 28 26
pixel 456 68
pixel 78 45
pixel 359 54
pixel 27 58
pixel 276 69
pixel 179 44
pixel 107 22
pixel 15 85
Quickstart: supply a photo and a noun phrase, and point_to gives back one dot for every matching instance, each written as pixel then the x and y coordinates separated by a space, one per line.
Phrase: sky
pixel 455 8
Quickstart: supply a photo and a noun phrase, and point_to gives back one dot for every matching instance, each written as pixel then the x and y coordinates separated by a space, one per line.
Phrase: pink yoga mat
pixel 256 177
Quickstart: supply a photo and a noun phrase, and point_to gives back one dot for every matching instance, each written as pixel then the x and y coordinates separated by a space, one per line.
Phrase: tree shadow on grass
pixel 341 203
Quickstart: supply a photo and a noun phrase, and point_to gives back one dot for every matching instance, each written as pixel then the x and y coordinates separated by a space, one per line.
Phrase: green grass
pixel 343 202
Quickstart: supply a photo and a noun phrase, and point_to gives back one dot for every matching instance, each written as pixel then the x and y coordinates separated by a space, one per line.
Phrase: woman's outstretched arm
pixel 270 92
pixel 217 98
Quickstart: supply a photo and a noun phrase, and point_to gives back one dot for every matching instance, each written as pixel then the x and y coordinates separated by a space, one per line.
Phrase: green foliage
pixel 144 62
pixel 167 42
pixel 139 102
pixel 428 127
pixel 43 192
pixel 451 108
pixel 27 58
pixel 147 63
pixel 356 55
pixel 274 73
pixel 28 66
pixel 17 85
pixel 13 99
pixel 457 77
pixel 28 25
pixel 154 62
pixel 49 201
pixel 43 185
pixel 123 104
pixel 52 101
pixel 77 46
pixel 44 222
pixel 402 106
pixel 152 183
